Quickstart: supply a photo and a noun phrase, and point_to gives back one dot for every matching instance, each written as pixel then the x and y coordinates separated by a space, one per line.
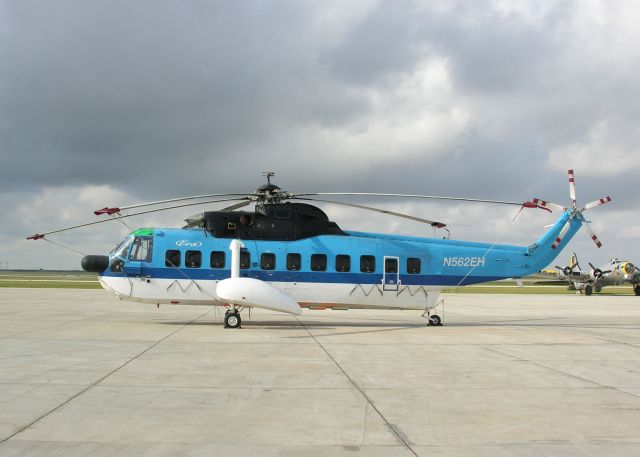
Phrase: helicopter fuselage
pixel 341 269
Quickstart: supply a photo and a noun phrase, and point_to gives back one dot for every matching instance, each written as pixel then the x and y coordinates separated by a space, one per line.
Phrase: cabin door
pixel 391 273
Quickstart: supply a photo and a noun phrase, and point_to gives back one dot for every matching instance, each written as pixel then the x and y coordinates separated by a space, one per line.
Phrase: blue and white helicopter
pixel 285 256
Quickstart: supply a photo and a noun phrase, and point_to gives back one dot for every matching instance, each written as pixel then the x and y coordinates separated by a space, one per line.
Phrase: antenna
pixel 268 175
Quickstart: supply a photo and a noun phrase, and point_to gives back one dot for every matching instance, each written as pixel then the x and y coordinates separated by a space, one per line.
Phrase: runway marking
pixel 102 378
pixel 399 435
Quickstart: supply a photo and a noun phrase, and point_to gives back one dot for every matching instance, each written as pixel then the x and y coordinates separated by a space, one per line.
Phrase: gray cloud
pixel 157 99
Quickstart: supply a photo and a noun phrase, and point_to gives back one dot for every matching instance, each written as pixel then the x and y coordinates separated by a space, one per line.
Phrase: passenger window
pixel 245 260
pixel 318 262
pixel 413 266
pixel 343 263
pixel 193 259
pixel 293 262
pixel 391 265
pixel 267 261
pixel 367 263
pixel 217 259
pixel 172 258
pixel 141 249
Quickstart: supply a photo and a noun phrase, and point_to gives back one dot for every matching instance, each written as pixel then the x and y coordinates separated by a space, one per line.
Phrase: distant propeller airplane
pixel 286 255
pixel 613 273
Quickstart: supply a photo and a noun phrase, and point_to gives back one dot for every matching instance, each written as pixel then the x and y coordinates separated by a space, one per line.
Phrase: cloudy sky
pixel 117 102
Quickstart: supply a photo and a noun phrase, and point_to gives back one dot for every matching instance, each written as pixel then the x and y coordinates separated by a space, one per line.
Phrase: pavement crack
pixel 571 375
pixel 401 437
pixel 90 386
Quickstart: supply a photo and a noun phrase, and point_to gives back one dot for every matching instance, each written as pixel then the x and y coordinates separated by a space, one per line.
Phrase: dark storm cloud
pixel 155 99
pixel 119 91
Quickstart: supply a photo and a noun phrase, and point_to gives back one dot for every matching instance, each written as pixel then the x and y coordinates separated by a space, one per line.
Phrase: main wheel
pixel 435 320
pixel 232 320
pixel 588 290
pixel 636 289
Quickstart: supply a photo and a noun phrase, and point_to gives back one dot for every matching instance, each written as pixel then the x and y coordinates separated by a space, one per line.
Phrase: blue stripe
pixel 312 277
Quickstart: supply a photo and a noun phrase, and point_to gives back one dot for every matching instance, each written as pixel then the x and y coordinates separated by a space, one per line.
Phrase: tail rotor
pixel 576 212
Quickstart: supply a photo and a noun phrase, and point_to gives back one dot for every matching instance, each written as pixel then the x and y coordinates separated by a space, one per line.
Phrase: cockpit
pixel 133 249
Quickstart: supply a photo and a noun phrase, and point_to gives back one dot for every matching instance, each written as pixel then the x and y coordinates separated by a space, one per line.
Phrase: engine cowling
pixel 595 274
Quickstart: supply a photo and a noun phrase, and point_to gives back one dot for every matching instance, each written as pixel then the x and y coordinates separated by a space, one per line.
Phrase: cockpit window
pixel 123 248
pixel 141 249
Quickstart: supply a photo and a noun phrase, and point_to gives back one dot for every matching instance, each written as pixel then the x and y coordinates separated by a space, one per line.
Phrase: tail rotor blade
pixel 592 235
pixel 547 205
pixel 572 187
pixel 561 234
pixel 598 202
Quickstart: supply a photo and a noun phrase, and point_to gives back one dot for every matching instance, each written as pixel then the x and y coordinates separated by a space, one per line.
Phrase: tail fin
pixel 574 262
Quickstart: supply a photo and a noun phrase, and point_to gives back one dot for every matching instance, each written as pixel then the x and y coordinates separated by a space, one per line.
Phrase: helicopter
pixel 287 255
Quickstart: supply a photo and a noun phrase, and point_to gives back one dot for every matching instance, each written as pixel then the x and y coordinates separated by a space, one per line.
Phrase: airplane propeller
pixel 597 273
pixel 575 211
pixel 568 270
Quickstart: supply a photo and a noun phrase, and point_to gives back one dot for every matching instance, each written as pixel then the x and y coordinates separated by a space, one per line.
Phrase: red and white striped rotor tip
pixel 592 235
pixel 593 204
pixel 572 187
pixel 549 206
pixel 561 235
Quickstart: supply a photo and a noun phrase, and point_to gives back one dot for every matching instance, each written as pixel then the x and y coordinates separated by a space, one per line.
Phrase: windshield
pixel 122 249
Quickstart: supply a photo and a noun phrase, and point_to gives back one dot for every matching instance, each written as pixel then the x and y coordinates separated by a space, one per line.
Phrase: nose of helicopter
pixel 95 263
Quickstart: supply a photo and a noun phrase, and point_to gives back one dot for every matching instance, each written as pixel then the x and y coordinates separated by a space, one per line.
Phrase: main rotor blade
pixel 38 236
pixel 592 235
pixel 572 187
pixel 595 203
pixel 236 206
pixel 383 211
pixel 114 210
pixel 434 197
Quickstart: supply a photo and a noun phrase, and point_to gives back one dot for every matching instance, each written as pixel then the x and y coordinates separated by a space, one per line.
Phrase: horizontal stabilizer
pixel 255 293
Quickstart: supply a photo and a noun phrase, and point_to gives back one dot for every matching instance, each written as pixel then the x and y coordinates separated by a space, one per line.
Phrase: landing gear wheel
pixel 588 290
pixel 435 320
pixel 636 289
pixel 232 319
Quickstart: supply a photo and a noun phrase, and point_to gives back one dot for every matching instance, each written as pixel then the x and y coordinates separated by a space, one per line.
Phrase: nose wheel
pixel 434 319
pixel 232 319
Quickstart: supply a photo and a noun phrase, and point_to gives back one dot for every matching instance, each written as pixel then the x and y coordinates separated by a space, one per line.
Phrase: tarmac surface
pixel 507 375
